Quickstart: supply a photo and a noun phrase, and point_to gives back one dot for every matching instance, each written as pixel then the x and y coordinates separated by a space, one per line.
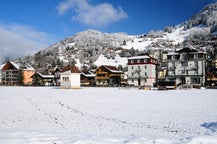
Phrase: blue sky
pixel 33 24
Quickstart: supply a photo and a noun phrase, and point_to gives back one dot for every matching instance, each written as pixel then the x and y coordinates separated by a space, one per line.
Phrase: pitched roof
pixel 87 73
pixel 23 66
pixel 112 69
pixel 139 57
pixel 74 69
pixel 45 76
pixel 71 68
pixel 187 49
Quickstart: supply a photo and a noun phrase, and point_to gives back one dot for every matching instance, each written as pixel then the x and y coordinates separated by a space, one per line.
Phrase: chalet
pixel 187 67
pixel 87 78
pixel 108 76
pixel 43 79
pixel 142 70
pixel 70 78
pixel 13 72
pixel 212 72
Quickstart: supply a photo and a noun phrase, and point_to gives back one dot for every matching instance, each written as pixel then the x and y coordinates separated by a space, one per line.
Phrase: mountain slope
pixel 203 23
pixel 90 46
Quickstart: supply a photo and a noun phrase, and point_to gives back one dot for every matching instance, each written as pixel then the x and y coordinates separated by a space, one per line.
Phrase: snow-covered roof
pixel 113 69
pixel 15 65
pixel 88 74
pixel 172 53
pixel 68 72
pixel 23 66
pixel 139 57
pixel 102 60
pixel 1 66
pixel 45 76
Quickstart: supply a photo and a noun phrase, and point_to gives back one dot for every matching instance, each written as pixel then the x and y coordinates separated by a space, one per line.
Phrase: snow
pixel 176 37
pixel 49 115
pixel 102 60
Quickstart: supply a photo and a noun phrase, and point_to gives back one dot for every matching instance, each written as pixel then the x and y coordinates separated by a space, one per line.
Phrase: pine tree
pixel 20 78
pixel 36 80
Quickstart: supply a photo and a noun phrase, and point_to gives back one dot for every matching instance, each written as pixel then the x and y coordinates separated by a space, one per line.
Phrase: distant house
pixel 70 78
pixel 108 76
pixel 212 72
pixel 42 79
pixel 13 72
pixel 56 74
pixel 142 70
pixel 187 66
pixel 87 78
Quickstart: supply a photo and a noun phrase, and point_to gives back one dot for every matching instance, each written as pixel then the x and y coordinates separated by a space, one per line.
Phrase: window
pixel 200 55
pixel 145 67
pixel 195 56
pixel 169 57
pixel 195 80
pixel 138 61
pixel 177 57
pixel 138 67
pixel 132 67
pixel 191 56
pixel 65 78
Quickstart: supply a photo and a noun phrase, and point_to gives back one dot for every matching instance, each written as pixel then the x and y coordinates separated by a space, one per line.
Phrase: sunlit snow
pixel 49 115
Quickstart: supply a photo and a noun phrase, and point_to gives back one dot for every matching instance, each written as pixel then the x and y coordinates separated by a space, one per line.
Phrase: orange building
pixel 27 76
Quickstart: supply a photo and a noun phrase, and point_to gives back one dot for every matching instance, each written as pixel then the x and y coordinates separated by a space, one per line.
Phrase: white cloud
pixel 18 40
pixel 93 15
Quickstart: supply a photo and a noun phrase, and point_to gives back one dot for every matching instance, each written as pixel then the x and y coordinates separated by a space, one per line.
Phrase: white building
pixel 142 70
pixel 70 78
pixel 187 66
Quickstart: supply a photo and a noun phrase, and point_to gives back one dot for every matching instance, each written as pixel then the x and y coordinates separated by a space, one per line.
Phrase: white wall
pixel 147 71
pixel 75 80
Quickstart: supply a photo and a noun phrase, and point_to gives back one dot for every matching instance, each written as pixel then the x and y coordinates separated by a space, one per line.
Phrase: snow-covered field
pixel 46 115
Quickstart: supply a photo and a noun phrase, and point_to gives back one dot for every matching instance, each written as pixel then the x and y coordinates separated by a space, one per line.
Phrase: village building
pixel 108 76
pixel 187 66
pixel 211 78
pixel 42 79
pixel 56 73
pixel 17 73
pixel 142 70
pixel 87 78
pixel 70 78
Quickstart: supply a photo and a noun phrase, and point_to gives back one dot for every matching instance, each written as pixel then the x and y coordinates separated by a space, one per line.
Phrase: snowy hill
pixel 87 47
pixel 202 23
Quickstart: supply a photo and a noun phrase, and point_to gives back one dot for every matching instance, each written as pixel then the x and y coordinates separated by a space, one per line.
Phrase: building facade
pixel 70 78
pixel 12 73
pixel 142 70
pixel 187 66
pixel 108 76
